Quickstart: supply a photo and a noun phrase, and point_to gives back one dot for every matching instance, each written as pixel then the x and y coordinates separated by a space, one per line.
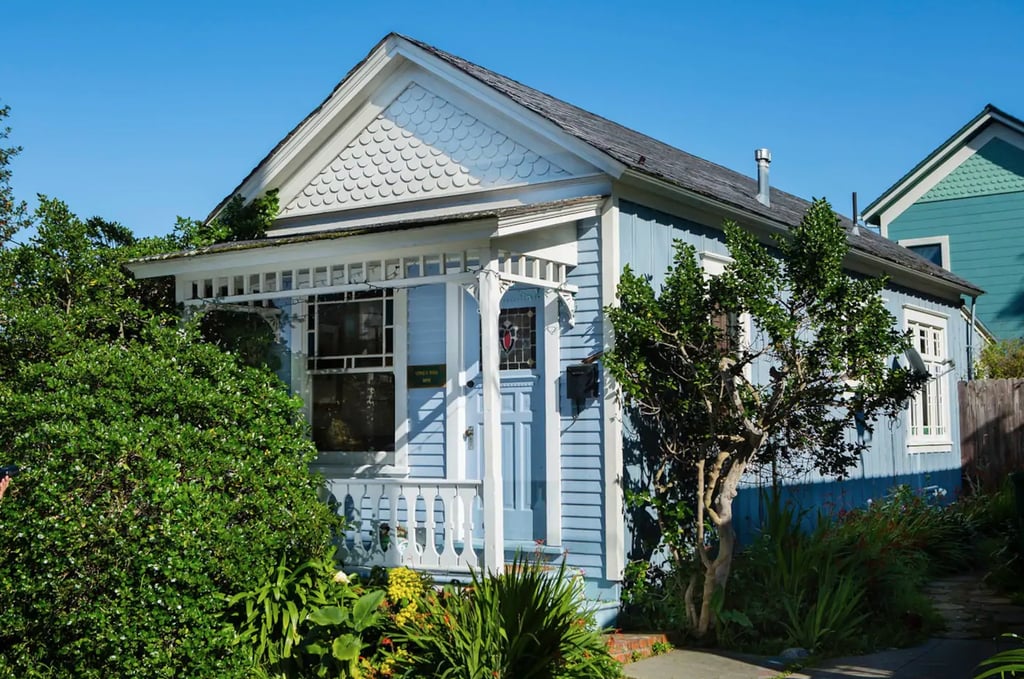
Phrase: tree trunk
pixel 716 573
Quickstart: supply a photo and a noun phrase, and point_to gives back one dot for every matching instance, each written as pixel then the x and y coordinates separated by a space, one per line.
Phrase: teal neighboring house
pixel 962 207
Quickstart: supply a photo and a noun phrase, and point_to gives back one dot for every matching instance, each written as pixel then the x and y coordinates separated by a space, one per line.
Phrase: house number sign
pixel 425 376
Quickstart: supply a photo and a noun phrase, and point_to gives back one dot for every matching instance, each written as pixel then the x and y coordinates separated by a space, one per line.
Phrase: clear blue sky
pixel 140 111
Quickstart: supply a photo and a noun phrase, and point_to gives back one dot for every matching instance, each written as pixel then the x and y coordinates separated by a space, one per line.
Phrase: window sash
pixel 929 409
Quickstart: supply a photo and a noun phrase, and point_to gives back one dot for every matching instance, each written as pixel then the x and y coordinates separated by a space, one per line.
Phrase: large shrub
pixel 158 472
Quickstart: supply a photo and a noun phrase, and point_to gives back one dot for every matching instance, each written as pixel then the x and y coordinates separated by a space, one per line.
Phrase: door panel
pixel 521 426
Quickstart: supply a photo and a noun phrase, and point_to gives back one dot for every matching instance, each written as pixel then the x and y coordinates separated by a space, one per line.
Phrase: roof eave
pixel 771 226
pixel 975 125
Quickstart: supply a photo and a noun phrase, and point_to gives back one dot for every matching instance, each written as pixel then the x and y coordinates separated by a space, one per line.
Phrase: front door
pixel 521 355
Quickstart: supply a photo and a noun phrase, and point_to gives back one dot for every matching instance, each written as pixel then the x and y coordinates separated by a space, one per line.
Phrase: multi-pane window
pixel 929 408
pixel 350 344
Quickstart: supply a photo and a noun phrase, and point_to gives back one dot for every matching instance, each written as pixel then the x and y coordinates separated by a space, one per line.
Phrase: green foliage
pixel 1002 360
pixel 852 583
pixel 827 338
pixel 158 472
pixel 13 213
pixel 242 332
pixel 1005 664
pixel 997 536
pixel 524 623
pixel 238 220
pixel 310 621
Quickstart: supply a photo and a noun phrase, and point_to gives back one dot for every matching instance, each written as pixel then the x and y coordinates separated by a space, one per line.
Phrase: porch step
pixel 627 648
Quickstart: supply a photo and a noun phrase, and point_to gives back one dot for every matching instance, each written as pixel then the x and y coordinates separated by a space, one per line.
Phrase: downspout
pixel 970 341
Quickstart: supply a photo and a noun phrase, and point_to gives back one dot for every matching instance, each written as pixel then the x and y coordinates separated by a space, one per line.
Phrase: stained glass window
pixel 517 339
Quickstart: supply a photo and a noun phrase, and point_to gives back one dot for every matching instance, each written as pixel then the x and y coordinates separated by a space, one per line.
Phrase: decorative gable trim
pixel 367 92
pixel 990 124
pixel 419 146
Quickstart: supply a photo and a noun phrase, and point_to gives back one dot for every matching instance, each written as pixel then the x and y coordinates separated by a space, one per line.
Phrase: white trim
pixel 467 235
pixel 614 466
pixel 368 463
pixel 489 291
pixel 401 363
pixel 714 264
pixel 313 132
pixel 552 330
pixel 515 224
pixel 394 64
pixel 941 241
pixel 455 398
pixel 944 412
pixel 929 176
pixel 449 204
pixel 923 314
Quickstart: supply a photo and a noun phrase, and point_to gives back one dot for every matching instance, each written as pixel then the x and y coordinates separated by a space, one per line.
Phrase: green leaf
pixel 346 647
pixel 329 615
pixel 366 610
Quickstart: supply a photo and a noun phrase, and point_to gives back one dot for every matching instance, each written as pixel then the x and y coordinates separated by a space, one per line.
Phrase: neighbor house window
pixel 934 249
pixel 930 407
pixel 351 347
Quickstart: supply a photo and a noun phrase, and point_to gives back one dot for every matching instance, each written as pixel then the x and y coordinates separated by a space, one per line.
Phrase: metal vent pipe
pixel 764 159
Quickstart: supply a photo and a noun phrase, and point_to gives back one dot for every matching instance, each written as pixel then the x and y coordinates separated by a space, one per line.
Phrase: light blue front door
pixel 521 333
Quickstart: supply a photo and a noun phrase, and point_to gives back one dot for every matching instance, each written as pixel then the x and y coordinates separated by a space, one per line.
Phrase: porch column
pixel 489 291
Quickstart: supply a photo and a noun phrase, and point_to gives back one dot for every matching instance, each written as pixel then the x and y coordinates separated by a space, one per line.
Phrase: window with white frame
pixel 351 359
pixel 734 327
pixel 935 249
pixel 929 407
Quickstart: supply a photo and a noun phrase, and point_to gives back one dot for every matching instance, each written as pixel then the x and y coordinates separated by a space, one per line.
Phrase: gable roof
pixel 975 126
pixel 647 157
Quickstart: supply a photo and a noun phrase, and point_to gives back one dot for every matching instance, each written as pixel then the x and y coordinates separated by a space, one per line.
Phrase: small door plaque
pixel 426 376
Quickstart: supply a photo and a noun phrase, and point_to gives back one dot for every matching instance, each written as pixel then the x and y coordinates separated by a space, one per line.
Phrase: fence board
pixel 991 429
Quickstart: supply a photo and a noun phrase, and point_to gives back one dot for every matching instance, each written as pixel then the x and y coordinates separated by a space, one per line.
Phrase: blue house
pixel 447 239
pixel 962 208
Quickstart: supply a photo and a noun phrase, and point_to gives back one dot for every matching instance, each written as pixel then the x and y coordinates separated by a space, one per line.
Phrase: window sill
pixel 357 464
pixel 926 446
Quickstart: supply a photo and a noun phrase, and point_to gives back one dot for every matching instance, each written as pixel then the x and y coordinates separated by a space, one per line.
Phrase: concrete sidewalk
pixel 935 659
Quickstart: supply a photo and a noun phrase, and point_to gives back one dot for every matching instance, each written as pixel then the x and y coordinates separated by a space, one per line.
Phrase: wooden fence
pixel 991 429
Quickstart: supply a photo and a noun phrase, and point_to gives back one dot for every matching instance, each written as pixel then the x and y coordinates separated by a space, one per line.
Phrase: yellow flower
pixel 341 578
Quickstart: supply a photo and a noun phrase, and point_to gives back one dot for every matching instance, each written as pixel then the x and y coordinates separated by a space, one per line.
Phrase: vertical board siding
pixel 991 430
pixel 985 247
pixel 646 239
pixel 582 450
pixel 426 406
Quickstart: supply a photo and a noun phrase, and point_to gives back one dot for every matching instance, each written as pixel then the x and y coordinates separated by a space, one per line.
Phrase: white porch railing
pixel 426 524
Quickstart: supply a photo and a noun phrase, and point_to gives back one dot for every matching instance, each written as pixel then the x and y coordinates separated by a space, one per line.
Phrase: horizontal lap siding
pixel 581 439
pixel 426 406
pixel 985 247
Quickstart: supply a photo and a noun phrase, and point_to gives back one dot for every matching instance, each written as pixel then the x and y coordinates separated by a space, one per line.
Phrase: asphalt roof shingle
pixel 648 156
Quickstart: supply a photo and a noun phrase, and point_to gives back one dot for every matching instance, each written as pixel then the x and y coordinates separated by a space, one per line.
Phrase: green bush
pixel 526 623
pixel 1002 360
pixel 158 473
pixel 310 621
pixel 999 544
